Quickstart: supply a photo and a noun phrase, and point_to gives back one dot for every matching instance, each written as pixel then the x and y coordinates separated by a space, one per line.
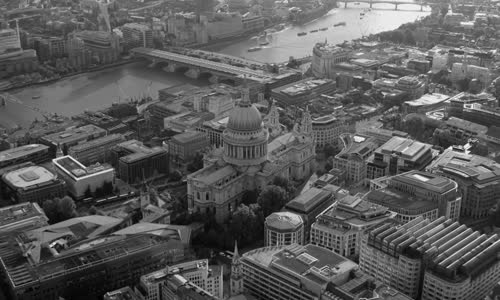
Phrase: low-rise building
pixel 33 184
pixel 327 130
pixel 125 293
pixel 352 158
pixel 479 181
pixel 46 263
pixel 397 156
pixel 135 162
pixel 283 228
pixel 176 280
pixel 301 92
pixel 339 228
pixel 426 103
pixel 309 205
pixel 22 217
pixel 34 153
pixel 268 272
pixel 213 130
pixel 97 150
pixel 186 145
pixel 416 193
pixel 81 179
pixel 71 137
pixel 413 85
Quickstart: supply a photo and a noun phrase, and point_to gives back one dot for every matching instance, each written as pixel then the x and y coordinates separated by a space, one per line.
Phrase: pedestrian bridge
pixel 196 66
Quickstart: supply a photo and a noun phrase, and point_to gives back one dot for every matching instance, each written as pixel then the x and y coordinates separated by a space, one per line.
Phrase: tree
pixel 107 188
pixel 58 210
pixel 272 199
pixel 249 197
pixel 463 84
pixel 88 192
pixel 329 150
pixel 196 163
pixel 286 184
pixel 246 226
pixel 176 175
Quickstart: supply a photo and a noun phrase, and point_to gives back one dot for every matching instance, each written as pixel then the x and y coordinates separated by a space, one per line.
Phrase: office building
pixel 426 103
pixel 326 57
pixel 294 272
pixel 222 25
pixel 186 121
pixel 412 85
pixel 397 156
pixel 417 193
pixel 34 153
pixel 79 178
pixel 98 119
pixel 136 35
pixel 455 107
pixel 11 63
pixel 460 71
pixel 103 46
pixel 33 184
pixel 95 151
pixel 301 92
pixel 9 41
pixel 426 259
pixel 213 130
pixel 71 137
pixel 357 148
pixel 125 293
pixel 185 146
pixel 309 205
pixel 252 22
pixel 340 227
pixel 479 181
pixel 82 258
pixel 283 228
pixel 194 275
pixel 135 162
pixel 22 217
pixel 49 48
pixel 327 130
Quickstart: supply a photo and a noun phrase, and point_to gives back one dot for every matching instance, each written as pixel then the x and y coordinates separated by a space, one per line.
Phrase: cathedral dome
pixel 245 117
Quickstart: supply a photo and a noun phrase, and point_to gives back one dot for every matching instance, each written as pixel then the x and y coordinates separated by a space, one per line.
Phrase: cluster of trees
pixel 60 209
pixel 246 224
pixel 105 190
pixel 398 36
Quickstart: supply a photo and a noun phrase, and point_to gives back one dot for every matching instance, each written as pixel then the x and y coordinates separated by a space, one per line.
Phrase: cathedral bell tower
pixel 236 273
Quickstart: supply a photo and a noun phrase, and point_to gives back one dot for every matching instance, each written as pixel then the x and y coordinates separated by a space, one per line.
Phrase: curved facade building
pixel 325 57
pixel 283 228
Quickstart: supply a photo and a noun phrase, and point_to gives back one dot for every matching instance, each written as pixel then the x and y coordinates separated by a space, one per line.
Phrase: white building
pixel 460 71
pixel 80 178
pixel 283 228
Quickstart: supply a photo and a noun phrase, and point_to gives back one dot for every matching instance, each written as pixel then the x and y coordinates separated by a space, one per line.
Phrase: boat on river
pixel 313 31
pixel 301 33
pixel 339 24
pixel 253 49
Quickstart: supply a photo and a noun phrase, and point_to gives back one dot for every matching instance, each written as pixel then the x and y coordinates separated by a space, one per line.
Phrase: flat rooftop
pixel 467 166
pixel 138 150
pixel 399 201
pixel 189 136
pixel 428 181
pixel 125 293
pixel 308 200
pixel 25 178
pixel 76 169
pixel 302 87
pixel 97 142
pixel 406 148
pixel 284 221
pixel 74 134
pixel 15 213
pixel 14 153
pixel 466 125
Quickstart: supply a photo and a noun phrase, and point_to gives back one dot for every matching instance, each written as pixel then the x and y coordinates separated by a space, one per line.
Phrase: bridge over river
pixel 394 2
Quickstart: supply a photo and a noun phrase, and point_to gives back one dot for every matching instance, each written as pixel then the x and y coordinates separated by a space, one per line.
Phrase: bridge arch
pixel 181 69
pixel 228 81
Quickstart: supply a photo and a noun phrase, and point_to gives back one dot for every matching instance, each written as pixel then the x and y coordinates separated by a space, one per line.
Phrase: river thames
pixel 96 90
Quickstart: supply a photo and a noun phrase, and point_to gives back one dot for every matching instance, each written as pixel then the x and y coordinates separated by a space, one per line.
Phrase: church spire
pixel 236 255
pixel 245 93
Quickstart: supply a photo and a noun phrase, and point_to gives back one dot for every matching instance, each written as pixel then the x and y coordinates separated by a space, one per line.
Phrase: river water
pixel 71 96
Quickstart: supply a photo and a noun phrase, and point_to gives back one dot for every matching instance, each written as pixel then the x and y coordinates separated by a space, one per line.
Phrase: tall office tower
pixel 432 260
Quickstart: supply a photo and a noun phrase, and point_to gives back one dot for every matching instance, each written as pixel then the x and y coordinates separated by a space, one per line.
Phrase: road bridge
pixel 395 3
pixel 197 66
